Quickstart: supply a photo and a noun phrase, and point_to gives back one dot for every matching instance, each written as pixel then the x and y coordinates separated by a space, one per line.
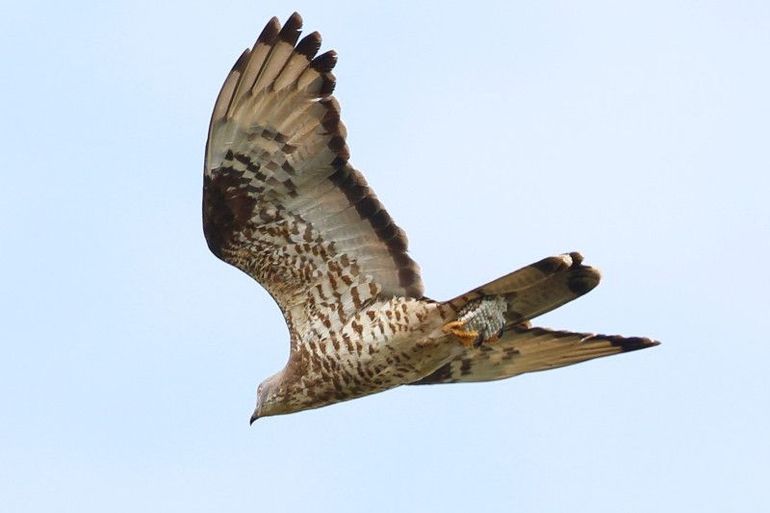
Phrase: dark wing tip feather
pixel 380 221
pixel 330 82
pixel 402 259
pixel 583 280
pixel 337 145
pixel 291 29
pixel 632 343
pixel 240 64
pixel 550 265
pixel 270 33
pixel 624 343
pixel 333 126
pixel 331 119
pixel 368 206
pixel 324 62
pixel 393 236
pixel 309 45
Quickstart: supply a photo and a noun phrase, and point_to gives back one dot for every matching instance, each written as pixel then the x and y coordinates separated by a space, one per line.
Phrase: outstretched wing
pixel 529 349
pixel 281 202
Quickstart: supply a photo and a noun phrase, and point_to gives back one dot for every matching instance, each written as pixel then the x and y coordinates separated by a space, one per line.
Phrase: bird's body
pixel 282 203
pixel 387 344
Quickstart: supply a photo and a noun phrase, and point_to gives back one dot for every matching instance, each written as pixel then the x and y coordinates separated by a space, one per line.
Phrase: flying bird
pixel 282 203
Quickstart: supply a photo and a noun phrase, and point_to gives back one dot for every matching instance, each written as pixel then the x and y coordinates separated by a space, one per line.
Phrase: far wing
pixel 530 349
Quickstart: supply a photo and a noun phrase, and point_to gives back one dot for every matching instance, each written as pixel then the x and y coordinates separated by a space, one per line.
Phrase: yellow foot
pixel 467 338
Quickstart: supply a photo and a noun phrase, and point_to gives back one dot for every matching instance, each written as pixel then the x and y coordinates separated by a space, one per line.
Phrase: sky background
pixel 496 133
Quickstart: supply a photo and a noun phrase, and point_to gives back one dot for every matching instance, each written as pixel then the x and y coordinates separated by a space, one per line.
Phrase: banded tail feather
pixel 537 288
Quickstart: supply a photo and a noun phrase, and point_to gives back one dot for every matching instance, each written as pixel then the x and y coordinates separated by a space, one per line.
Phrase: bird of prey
pixel 282 203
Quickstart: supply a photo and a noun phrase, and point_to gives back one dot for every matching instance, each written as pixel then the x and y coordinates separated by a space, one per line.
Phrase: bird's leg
pixel 479 321
pixel 468 338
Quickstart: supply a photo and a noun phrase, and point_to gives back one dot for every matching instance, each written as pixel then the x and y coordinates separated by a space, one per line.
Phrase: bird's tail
pixel 529 292
pixel 537 288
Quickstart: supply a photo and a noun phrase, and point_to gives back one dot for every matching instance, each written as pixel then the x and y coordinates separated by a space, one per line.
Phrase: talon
pixel 468 338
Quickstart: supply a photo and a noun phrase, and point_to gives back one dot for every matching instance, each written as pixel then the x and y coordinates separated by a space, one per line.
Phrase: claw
pixel 479 321
pixel 468 338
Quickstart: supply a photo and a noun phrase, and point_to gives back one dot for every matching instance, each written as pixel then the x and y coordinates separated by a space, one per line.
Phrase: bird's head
pixel 270 398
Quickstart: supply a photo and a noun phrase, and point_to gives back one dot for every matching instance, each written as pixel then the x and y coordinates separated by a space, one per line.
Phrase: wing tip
pixel 242 60
pixel 583 280
pixel 309 45
pixel 624 343
pixel 325 62
pixel 553 264
pixel 270 33
pixel 292 29
pixel 627 344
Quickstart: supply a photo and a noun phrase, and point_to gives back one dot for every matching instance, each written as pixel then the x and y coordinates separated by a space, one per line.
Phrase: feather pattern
pixel 537 288
pixel 524 349
pixel 281 202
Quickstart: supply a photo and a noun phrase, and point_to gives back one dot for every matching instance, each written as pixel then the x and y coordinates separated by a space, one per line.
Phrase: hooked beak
pixel 254 416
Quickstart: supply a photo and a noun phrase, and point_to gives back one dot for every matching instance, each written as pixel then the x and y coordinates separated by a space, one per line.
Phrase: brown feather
pixel 281 202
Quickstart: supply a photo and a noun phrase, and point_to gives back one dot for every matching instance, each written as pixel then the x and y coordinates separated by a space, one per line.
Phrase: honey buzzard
pixel 282 203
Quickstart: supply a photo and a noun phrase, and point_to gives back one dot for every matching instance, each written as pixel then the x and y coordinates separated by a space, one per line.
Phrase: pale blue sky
pixel 496 133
